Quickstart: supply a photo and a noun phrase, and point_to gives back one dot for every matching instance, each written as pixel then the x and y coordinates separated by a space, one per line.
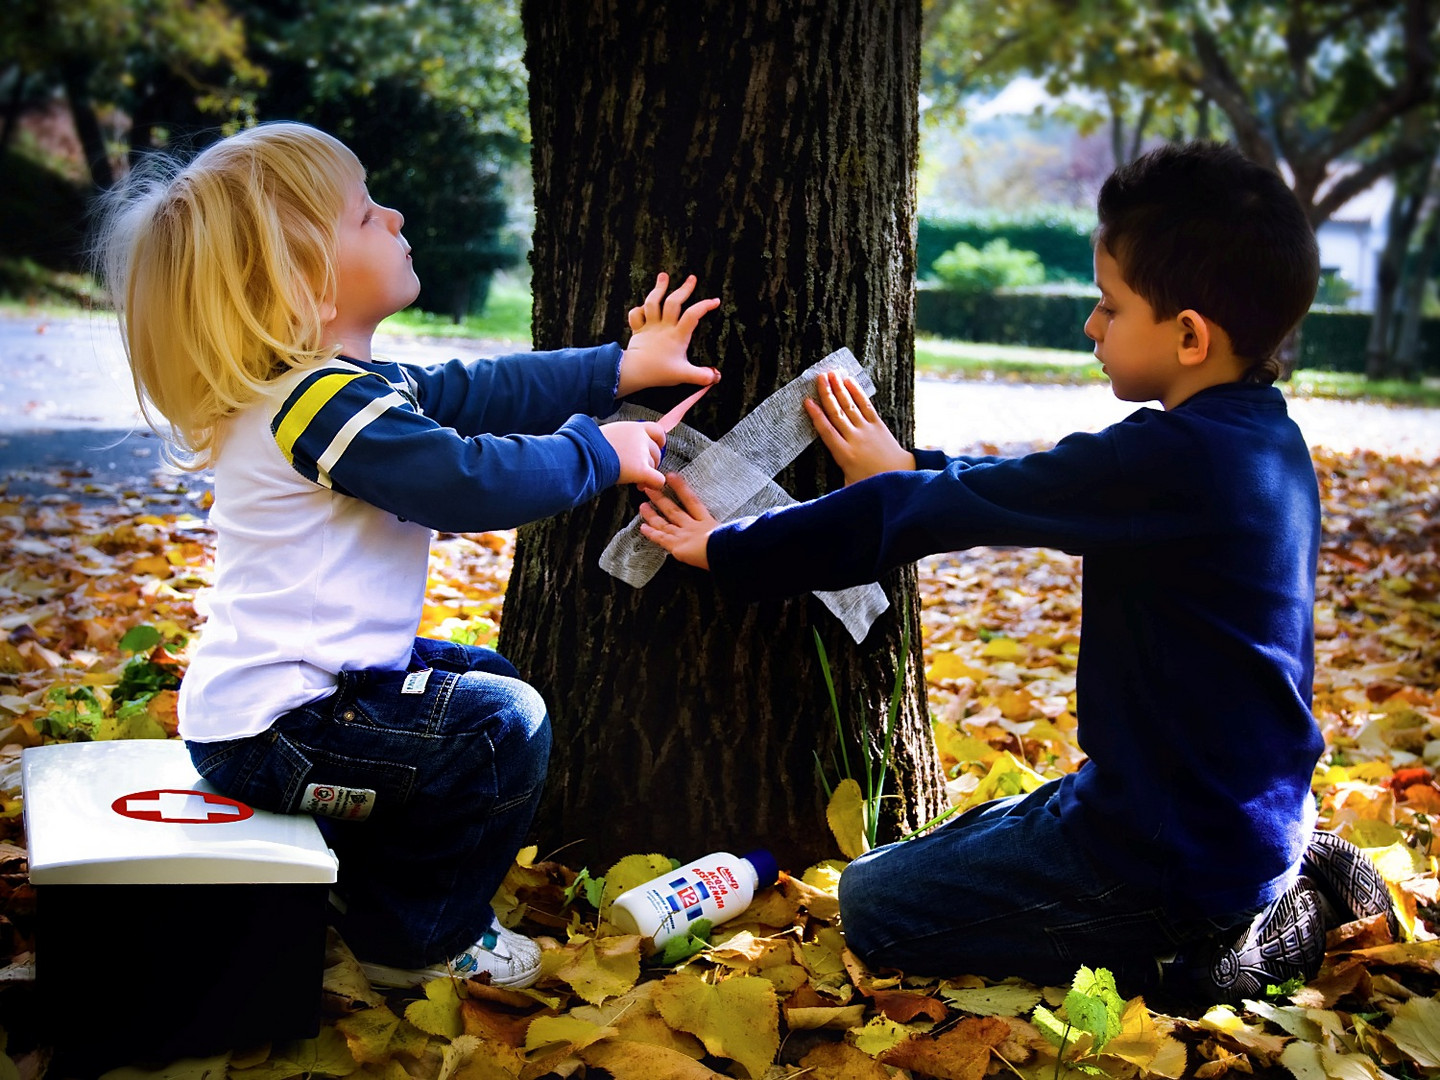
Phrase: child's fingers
pixel 693 313
pixel 863 404
pixel 830 401
pixel 692 502
pixel 661 509
pixel 829 434
pixel 676 300
pixel 637 319
pixel 848 396
pixel 654 296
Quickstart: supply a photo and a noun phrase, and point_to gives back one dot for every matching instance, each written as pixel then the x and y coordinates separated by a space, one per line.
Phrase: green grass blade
pixel 892 715
pixel 834 702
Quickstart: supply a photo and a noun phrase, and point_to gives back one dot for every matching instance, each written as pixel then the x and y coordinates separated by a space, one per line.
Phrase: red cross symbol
pixel 180 807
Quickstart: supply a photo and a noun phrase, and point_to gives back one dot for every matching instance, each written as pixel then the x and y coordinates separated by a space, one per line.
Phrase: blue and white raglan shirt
pixel 326 492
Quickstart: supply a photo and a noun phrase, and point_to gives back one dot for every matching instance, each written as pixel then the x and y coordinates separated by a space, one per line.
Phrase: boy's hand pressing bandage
pixel 683 529
pixel 852 430
pixel 660 337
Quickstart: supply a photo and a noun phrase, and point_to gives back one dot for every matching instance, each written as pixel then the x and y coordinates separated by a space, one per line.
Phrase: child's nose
pixel 1092 326
pixel 397 220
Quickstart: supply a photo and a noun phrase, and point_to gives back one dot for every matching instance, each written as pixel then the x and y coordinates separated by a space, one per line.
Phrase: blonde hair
pixel 221 271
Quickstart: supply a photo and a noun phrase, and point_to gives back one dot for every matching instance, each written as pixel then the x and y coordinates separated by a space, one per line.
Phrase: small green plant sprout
pixel 592 887
pixel 1092 1006
pixel 871 784
pixel 91 711
pixel 74 714
pixel 145 675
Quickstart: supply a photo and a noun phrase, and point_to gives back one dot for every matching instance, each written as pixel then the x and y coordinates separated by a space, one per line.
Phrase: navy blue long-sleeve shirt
pixel 1199 529
pixel 463 446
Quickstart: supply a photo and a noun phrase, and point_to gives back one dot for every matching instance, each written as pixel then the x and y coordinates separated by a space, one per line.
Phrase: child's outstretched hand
pixel 683 529
pixel 659 337
pixel 637 443
pixel 852 430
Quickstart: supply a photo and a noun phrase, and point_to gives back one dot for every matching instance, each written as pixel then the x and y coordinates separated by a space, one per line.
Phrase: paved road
pixel 65 397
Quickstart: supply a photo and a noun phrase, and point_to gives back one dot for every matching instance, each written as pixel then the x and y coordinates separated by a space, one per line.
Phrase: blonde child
pixel 249 283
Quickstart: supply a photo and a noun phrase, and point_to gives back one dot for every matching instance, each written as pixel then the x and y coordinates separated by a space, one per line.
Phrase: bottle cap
pixel 765 869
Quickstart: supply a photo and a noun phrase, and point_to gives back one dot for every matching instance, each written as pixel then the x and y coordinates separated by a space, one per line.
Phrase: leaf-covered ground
pixel 97 600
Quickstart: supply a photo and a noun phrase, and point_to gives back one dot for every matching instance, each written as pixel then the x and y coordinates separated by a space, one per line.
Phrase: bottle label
pixel 688 896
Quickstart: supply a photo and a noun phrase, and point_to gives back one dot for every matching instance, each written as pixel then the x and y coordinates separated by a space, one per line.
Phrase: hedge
pixel 1060 237
pixel 1331 340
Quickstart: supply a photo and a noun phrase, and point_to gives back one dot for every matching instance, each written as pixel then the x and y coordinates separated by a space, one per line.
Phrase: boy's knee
pixel 861 911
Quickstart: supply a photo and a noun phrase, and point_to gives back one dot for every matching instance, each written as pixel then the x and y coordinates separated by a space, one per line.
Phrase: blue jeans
pixel 1006 889
pixel 456 760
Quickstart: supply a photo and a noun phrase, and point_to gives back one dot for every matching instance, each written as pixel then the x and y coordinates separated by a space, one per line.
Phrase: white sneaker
pixel 512 960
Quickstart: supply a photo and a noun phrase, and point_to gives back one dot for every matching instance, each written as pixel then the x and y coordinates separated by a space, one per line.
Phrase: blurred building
pixel 1352 240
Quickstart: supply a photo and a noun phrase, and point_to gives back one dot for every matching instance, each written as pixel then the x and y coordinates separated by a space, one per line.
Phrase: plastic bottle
pixel 717 887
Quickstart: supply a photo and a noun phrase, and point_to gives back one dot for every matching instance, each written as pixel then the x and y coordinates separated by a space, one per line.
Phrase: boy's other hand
pixel 660 332
pixel 683 529
pixel 852 430
pixel 637 444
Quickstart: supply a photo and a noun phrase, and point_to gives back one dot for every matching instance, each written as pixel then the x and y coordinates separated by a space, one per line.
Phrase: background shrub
pixel 1059 237
pixel 968 269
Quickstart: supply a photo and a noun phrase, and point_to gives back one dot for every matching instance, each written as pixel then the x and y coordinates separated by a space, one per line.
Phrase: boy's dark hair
pixel 1198 225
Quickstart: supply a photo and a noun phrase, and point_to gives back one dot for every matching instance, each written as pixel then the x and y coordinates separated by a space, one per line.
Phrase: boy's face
pixel 374 276
pixel 1136 352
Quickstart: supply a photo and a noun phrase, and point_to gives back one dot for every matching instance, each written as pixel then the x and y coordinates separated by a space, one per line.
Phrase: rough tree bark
pixel 769 147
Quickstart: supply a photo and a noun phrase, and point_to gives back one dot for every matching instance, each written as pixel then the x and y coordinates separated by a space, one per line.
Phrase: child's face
pixel 374 276
pixel 1136 352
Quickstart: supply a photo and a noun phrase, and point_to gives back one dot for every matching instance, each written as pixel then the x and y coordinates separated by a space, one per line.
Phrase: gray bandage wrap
pixel 732 475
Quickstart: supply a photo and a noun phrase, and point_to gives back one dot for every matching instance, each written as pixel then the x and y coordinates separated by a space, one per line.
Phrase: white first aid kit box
pixel 206 914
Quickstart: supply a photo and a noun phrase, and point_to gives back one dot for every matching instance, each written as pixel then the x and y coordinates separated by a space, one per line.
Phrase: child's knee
pixel 861 909
pixel 526 728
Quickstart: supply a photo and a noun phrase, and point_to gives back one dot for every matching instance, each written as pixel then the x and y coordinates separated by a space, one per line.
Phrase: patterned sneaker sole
pixel 1289 943
pixel 1349 881
pixel 406 978
pixel 401 978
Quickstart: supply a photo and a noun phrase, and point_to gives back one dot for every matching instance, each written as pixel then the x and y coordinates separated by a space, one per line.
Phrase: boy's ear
pixel 1193 345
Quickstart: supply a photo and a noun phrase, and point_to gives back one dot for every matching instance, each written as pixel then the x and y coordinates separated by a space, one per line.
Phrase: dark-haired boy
pixel 1188 833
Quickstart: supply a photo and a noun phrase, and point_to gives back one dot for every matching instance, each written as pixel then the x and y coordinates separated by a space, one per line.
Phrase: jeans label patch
pixel 345 803
pixel 415 682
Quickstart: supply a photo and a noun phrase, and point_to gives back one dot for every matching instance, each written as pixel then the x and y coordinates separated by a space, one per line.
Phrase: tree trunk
pixel 1412 294
pixel 13 103
pixel 769 147
pixel 76 76
pixel 1410 185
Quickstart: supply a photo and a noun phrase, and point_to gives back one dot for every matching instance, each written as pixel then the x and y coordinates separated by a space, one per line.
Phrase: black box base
pixel 152 973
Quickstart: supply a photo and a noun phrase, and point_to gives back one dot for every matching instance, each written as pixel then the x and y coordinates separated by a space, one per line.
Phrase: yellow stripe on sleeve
pixel 297 418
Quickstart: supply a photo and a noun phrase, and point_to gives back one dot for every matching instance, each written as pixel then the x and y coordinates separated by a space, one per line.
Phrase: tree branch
pixel 1416 87
pixel 1219 84
pixel 1351 184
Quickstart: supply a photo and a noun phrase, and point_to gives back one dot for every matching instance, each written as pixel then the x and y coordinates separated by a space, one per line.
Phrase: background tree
pixel 432 99
pixel 182 60
pixel 1333 93
pixel 769 147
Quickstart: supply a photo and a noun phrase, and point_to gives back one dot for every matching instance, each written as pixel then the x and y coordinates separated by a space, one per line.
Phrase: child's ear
pixel 1193 346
